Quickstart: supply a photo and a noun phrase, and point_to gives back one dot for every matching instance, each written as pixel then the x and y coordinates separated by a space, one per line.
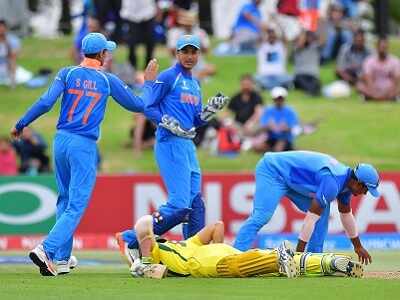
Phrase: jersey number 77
pixel 78 96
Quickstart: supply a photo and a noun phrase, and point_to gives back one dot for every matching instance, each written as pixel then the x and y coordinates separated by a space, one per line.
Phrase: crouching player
pixel 205 255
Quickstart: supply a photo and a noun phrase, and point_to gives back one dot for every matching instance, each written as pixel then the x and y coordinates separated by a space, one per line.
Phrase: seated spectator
pixel 187 24
pixel 271 61
pixel 246 31
pixel 380 75
pixel 336 32
pixel 9 48
pixel 31 149
pixel 246 105
pixel 8 158
pixel 276 125
pixel 351 58
pixel 306 63
pixel 142 134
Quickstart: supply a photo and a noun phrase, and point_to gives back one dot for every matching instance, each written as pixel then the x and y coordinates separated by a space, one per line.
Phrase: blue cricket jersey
pixel 175 93
pixel 312 174
pixel 242 22
pixel 85 90
pixel 286 115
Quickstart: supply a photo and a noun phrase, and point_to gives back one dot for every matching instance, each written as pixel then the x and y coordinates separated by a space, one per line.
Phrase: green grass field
pixel 351 130
pixel 112 281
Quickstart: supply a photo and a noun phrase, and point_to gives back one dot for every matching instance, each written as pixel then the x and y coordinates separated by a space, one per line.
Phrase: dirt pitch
pixel 383 275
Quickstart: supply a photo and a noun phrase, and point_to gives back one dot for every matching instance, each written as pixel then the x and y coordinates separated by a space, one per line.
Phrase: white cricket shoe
pixel 156 271
pixel 39 258
pixel 287 265
pixel 129 255
pixel 345 265
pixel 64 267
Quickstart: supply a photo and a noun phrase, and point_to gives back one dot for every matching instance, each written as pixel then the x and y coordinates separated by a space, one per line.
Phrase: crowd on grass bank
pixel 342 36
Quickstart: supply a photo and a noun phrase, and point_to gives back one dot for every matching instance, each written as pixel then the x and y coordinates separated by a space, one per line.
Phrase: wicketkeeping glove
pixel 174 126
pixel 214 104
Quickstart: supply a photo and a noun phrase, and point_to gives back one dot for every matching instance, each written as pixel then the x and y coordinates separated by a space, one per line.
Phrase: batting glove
pixel 172 124
pixel 214 104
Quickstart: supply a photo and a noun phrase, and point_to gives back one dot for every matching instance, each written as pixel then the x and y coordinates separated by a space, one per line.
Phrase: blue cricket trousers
pixel 270 188
pixel 75 169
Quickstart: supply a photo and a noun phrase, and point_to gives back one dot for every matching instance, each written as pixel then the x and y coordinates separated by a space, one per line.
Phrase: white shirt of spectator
pixel 271 59
pixel 11 43
pixel 138 10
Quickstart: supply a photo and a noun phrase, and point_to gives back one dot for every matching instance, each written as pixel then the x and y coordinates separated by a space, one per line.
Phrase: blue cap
pixel 367 174
pixel 188 40
pixel 96 42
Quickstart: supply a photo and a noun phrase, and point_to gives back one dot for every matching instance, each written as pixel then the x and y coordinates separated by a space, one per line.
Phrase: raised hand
pixel 151 71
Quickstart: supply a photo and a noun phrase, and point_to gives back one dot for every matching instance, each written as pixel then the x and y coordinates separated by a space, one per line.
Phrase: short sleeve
pixel 327 191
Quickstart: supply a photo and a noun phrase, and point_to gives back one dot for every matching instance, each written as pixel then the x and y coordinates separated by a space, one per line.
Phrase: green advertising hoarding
pixel 27 204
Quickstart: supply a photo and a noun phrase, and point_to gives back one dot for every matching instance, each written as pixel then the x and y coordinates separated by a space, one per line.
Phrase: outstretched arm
pixel 350 227
pixel 41 106
pixel 125 96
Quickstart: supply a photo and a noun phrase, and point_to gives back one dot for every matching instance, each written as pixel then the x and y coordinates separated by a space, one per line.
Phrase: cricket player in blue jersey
pixel 177 109
pixel 85 90
pixel 311 181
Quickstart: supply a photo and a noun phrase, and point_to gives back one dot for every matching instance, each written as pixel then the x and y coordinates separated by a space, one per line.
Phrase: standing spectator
pixel 381 75
pixel 246 31
pixel 306 63
pixel 351 58
pixel 246 105
pixel 140 16
pixel 108 13
pixel 271 61
pixel 8 158
pixel 91 25
pixel 278 121
pixel 187 24
pixel 9 47
pixel 31 148
pixel 336 32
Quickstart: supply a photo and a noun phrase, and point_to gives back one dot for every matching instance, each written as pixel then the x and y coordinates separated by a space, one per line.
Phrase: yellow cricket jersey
pixel 191 257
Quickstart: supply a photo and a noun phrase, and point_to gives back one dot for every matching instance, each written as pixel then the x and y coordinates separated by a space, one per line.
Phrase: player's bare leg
pixel 145 266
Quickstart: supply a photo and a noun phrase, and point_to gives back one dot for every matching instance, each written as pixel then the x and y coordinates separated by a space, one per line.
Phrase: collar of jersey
pixel 91 63
pixel 184 71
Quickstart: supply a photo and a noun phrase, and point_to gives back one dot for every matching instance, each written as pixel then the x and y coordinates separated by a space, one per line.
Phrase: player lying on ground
pixel 205 255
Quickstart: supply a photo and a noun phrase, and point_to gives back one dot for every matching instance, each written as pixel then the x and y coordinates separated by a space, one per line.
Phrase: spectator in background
pixel 140 16
pixel 8 158
pixel 336 32
pixel 351 58
pixel 246 105
pixel 108 14
pixel 142 134
pixel 278 122
pixel 31 148
pixel 381 75
pixel 306 63
pixel 271 61
pixel 187 24
pixel 246 31
pixel 9 48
